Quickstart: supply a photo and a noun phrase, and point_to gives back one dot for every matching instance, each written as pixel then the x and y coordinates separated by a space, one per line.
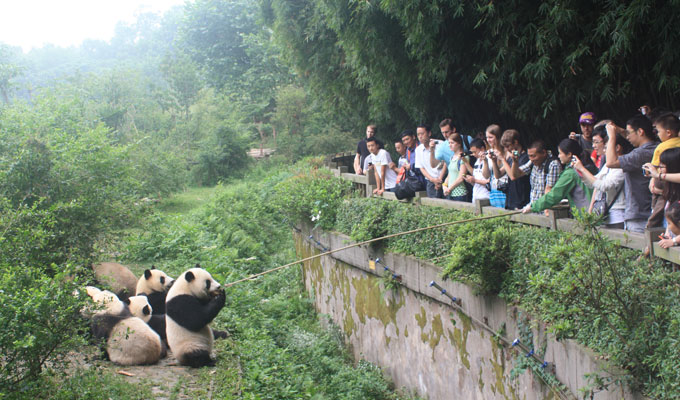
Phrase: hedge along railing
pixel 557 219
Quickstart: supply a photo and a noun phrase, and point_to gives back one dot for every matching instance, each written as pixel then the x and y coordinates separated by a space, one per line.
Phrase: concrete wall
pixel 425 344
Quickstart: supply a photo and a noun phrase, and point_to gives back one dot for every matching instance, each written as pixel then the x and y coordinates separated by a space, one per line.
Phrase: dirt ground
pixel 166 379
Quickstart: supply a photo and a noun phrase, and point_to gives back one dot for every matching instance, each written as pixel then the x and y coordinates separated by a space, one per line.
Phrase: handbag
pixel 600 206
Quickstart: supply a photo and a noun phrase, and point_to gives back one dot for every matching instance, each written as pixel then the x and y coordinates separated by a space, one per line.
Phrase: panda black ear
pixel 189 276
pixel 147 274
pixel 127 301
pixel 153 267
pixel 198 265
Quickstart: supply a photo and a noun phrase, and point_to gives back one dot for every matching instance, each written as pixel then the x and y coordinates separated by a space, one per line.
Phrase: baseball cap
pixel 587 118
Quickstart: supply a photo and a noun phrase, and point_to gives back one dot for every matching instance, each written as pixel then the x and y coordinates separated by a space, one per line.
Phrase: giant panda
pixel 154 284
pixel 140 307
pixel 129 340
pixel 118 277
pixel 192 303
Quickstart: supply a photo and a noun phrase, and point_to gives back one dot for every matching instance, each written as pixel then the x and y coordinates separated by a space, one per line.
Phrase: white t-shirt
pixel 380 159
pixel 423 161
pixel 479 191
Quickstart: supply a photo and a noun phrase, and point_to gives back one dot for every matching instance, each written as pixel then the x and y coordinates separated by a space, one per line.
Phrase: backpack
pixel 410 184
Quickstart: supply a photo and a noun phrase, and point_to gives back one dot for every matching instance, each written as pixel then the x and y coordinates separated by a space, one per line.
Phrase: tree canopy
pixel 530 65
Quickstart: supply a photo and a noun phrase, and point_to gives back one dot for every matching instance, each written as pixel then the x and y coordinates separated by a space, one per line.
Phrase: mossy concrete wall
pixel 423 343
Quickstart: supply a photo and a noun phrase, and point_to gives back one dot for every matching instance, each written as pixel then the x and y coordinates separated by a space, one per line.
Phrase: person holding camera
pixel 639 132
pixel 569 185
pixel 587 122
pixel 454 187
pixel 517 190
pixel 432 175
pixel 608 198
pixel 480 189
pixel 541 169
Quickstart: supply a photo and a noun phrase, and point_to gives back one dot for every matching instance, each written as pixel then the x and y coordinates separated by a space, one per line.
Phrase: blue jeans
pixel 636 225
pixel 432 192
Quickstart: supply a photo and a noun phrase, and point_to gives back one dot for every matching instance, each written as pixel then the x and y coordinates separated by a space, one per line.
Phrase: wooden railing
pixel 558 217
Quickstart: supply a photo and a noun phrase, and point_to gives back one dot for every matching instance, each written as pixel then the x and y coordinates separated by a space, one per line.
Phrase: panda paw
pixel 220 297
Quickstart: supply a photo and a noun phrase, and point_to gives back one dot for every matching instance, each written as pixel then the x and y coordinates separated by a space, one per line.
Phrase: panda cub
pixel 154 284
pixel 193 301
pixel 129 340
pixel 140 308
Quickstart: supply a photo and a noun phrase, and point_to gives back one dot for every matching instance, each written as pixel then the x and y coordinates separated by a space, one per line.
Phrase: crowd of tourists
pixel 630 175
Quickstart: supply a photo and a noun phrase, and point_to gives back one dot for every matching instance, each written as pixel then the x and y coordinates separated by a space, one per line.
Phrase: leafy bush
pixel 310 195
pixel 222 154
pixel 584 287
pixel 479 252
pixel 40 323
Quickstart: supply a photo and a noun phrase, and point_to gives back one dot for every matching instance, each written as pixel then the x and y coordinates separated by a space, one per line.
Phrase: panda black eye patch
pixel 162 279
pixel 207 284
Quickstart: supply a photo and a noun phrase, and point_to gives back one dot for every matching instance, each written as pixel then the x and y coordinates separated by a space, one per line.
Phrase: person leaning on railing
pixel 569 185
pixel 672 236
pixel 638 197
pixel 454 187
pixel 667 173
pixel 608 183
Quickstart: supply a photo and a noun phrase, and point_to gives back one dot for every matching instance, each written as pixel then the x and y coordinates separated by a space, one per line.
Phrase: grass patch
pixel 187 201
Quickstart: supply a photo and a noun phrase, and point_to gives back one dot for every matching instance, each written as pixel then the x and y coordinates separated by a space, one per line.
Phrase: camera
pixel 515 153
pixel 573 159
pixel 467 153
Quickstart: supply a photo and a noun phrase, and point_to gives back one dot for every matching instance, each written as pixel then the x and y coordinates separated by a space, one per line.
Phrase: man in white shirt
pixel 433 175
pixel 379 160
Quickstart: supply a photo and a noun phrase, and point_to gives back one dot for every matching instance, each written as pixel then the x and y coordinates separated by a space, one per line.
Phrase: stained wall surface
pixel 426 345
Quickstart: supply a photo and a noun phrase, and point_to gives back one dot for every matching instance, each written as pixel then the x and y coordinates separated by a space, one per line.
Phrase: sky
pixel 34 23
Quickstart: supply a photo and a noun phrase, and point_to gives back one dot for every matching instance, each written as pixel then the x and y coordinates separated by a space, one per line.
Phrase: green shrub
pixel 584 287
pixel 40 319
pixel 479 253
pixel 313 194
pixel 223 154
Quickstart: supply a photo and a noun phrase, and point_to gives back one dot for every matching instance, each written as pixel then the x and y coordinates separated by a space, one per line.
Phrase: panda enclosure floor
pixel 167 379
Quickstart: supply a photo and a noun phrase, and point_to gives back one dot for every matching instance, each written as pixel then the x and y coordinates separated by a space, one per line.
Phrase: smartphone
pixel 515 153
pixel 645 172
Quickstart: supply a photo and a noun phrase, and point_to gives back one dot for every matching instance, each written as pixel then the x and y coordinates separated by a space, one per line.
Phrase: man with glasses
pixel 638 197
pixel 599 145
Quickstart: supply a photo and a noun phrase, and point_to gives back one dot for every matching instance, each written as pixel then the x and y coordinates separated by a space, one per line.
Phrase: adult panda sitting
pixel 129 340
pixel 154 284
pixel 193 301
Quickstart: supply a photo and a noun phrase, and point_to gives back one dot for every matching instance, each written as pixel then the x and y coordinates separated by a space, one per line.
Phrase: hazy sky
pixel 33 23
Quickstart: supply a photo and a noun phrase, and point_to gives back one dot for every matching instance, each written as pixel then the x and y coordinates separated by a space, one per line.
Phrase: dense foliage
pixel 584 286
pixel 277 348
pixel 522 64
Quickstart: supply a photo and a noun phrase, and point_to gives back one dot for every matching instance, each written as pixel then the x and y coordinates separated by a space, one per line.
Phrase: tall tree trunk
pixel 258 125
